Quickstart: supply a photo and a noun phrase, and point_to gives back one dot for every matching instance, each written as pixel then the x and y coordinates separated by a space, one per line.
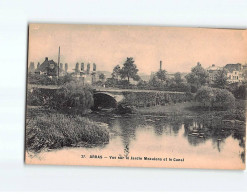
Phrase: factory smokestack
pixel 94 67
pixel 66 67
pixel 82 66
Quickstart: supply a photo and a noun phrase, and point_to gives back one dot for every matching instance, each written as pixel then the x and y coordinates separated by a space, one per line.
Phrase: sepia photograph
pixel 136 96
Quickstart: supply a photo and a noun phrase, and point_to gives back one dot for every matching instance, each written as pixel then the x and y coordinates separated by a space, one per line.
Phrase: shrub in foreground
pixel 215 98
pixel 58 130
pixel 74 95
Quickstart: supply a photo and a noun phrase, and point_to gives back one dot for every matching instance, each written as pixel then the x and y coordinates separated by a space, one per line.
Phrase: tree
pixel 102 77
pixel 65 79
pixel 224 98
pixel 198 76
pixel 221 79
pixel 156 83
pixel 171 84
pixel 142 84
pixel 206 96
pixel 111 82
pixel 240 92
pixel 161 74
pixel 116 72
pixel 129 70
pixel 177 78
pixel 73 96
pixel 215 98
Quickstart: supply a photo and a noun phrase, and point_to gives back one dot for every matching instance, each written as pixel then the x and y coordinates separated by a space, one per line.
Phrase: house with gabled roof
pixel 48 67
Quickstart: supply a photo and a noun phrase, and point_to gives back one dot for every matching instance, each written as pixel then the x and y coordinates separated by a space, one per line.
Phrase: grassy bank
pixel 192 109
pixel 58 130
pixel 179 108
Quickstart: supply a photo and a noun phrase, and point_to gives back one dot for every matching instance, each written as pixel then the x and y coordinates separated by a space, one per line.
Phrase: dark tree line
pixel 121 76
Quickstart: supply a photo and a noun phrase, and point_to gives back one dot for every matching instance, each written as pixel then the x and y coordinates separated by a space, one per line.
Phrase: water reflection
pixel 131 128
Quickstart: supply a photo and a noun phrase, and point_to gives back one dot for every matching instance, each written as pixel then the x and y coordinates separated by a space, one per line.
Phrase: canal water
pixel 164 141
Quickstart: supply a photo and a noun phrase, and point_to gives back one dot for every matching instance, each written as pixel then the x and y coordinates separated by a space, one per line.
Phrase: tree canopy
pixel 129 70
pixel 116 72
pixel 102 77
pixel 221 79
pixel 198 76
pixel 177 78
pixel 161 74
pixel 215 98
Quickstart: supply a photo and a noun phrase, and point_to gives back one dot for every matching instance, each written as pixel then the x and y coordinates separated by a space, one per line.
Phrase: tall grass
pixel 58 130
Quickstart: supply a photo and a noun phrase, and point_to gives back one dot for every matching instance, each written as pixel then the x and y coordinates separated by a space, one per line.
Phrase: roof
pixel 48 66
pixel 233 67
pixel 213 67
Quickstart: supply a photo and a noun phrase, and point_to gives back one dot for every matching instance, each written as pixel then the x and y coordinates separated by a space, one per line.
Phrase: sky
pixel 179 48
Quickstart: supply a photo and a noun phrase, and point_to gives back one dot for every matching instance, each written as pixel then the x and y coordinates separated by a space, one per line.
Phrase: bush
pixel 57 130
pixel 215 98
pixel 40 96
pixel 206 96
pixel 73 96
pixel 41 79
pixel 239 91
pixel 46 80
pixel 65 79
pixel 224 99
pixel 111 82
pixel 34 97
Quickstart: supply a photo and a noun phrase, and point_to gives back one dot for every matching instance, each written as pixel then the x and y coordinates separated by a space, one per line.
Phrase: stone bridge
pixel 105 97
pixel 111 98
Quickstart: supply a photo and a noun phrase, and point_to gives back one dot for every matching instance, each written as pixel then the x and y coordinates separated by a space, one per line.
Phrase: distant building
pixel 212 72
pixel 235 73
pixel 234 76
pixel 244 67
pixel 31 68
pixel 244 72
pixel 48 67
pixel 66 68
pixel 63 72
pixel 86 76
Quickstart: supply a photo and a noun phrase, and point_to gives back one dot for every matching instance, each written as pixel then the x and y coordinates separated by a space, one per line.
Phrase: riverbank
pixel 52 131
pixel 178 109
pixel 192 109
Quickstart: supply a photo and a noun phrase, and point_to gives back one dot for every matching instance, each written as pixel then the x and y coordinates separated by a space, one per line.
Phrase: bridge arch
pixel 106 100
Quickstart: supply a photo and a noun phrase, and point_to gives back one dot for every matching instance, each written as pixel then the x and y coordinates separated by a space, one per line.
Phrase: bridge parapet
pixel 144 98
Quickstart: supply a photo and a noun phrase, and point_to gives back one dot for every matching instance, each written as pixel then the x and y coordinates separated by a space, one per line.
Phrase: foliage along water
pixel 201 143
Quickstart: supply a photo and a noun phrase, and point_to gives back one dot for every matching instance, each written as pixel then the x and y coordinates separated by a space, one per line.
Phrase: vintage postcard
pixel 136 96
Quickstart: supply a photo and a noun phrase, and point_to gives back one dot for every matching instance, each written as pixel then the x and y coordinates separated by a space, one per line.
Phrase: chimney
pixel 77 67
pixel 94 67
pixel 66 67
pixel 160 65
pixel 61 66
pixel 46 58
pixel 88 68
pixel 82 66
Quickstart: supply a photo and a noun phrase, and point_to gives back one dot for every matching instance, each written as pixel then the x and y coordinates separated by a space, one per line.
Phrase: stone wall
pixel 146 99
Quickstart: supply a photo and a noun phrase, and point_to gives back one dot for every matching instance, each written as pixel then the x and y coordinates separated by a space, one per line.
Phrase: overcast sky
pixel 178 48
